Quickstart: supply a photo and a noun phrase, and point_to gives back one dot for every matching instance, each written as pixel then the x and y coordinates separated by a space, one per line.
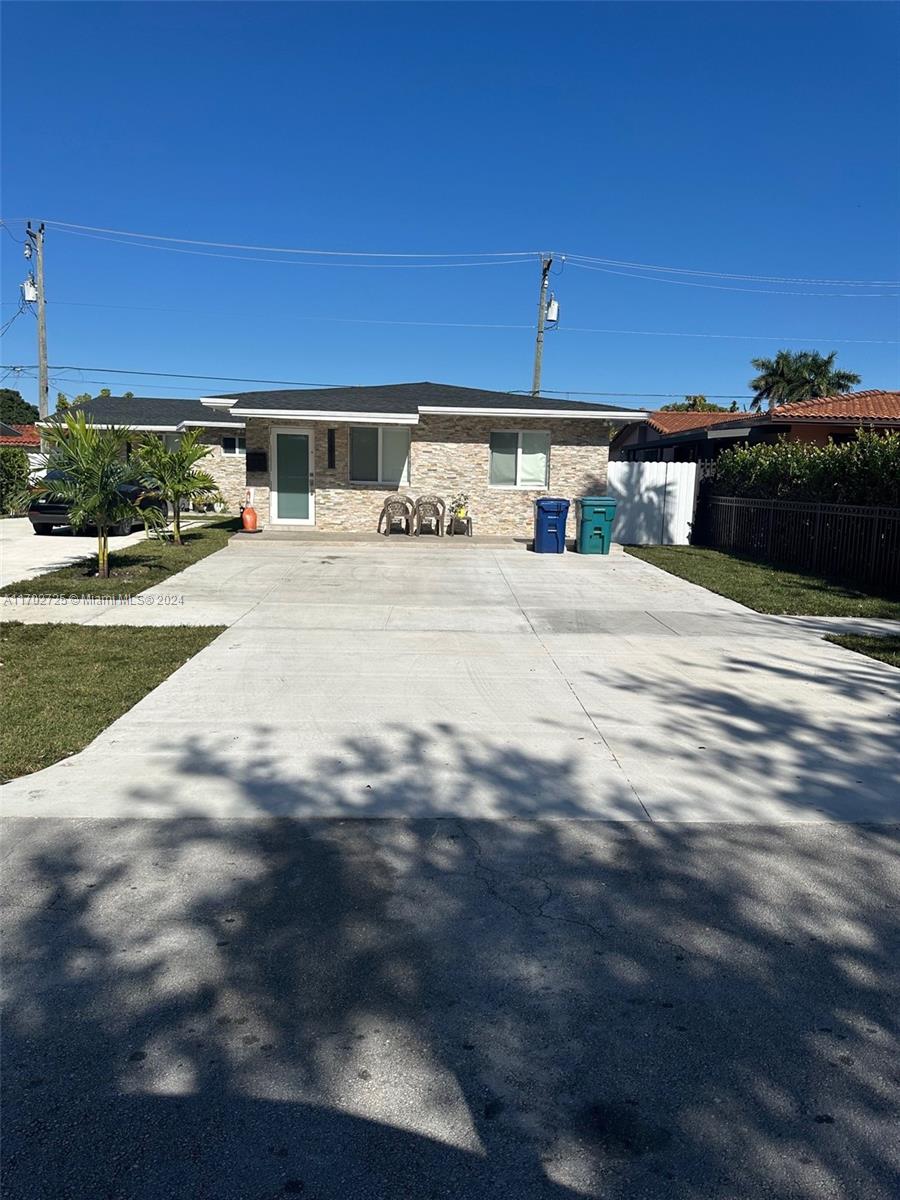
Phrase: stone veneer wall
pixel 448 454
pixel 228 470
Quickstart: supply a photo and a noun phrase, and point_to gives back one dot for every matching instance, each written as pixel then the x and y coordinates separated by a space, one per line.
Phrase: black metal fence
pixel 845 541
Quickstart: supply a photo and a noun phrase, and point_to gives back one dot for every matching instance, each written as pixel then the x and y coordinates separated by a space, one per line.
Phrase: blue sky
pixel 755 139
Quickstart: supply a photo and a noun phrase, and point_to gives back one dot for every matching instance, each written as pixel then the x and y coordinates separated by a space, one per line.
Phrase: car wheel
pixel 121 530
pixel 42 530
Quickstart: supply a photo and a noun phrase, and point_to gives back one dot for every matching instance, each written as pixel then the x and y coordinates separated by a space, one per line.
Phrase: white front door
pixel 293 499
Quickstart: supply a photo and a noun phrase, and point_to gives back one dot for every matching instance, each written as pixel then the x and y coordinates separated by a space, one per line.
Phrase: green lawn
pixel 766 588
pixel 886 648
pixel 133 568
pixel 61 685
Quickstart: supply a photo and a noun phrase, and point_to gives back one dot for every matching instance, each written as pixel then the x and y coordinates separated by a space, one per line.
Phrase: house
pixel 693 436
pixel 169 418
pixel 27 438
pixel 328 457
pixel 677 436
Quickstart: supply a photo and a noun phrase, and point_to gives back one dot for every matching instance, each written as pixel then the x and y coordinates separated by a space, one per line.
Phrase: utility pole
pixel 36 239
pixel 546 262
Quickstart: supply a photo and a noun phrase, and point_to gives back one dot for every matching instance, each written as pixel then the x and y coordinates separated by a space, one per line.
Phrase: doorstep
pixel 337 537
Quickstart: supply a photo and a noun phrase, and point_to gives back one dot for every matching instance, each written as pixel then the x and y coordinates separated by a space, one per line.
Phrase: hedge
pixel 864 471
pixel 13 479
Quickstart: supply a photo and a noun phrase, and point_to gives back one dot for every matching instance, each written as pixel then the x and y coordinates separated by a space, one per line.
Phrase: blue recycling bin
pixel 550 516
pixel 595 521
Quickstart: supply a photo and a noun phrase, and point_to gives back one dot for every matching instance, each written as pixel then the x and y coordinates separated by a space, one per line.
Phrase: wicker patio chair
pixel 397 509
pixel 431 508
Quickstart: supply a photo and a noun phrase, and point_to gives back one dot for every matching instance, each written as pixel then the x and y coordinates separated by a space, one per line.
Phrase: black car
pixel 46 513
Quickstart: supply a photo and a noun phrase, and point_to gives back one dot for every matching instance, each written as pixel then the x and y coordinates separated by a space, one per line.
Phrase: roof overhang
pixel 731 431
pixel 217 401
pixel 568 414
pixel 346 418
pixel 388 418
pixel 208 425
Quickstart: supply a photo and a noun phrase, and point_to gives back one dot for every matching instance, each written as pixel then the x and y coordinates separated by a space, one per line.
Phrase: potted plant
pixel 459 512
pixel 459 506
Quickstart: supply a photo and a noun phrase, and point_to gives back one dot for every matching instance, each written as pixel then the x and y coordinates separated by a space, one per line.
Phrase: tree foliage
pixel 698 404
pixel 172 474
pixel 864 471
pixel 13 480
pixel 794 375
pixel 86 468
pixel 16 411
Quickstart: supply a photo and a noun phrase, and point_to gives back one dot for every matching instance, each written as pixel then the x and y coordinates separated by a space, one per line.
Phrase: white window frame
pixel 517 486
pixel 240 444
pixel 380 481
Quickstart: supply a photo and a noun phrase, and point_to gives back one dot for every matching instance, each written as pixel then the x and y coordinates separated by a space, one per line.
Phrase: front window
pixel 520 458
pixel 379 454
pixel 234 445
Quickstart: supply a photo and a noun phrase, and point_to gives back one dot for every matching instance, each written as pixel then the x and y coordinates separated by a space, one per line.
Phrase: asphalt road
pixel 260 1008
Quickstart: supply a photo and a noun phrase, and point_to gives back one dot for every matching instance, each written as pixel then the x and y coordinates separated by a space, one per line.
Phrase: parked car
pixel 45 513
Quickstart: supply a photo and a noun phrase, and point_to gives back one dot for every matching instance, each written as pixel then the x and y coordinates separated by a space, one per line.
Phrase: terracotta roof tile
pixel 865 406
pixel 681 422
pixel 28 439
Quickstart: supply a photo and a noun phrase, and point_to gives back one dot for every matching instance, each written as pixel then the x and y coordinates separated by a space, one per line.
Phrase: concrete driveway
pixel 23 554
pixel 399 679
pixel 218 986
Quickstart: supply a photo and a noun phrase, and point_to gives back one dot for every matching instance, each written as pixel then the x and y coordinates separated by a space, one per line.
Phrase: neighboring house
pixel 168 418
pixel 27 438
pixel 675 437
pixel 688 437
pixel 329 457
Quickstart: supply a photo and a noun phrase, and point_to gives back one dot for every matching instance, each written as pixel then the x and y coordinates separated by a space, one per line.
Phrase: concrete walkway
pixel 398 680
pixel 24 555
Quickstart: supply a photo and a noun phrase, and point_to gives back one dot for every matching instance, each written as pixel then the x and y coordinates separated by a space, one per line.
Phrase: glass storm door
pixel 292 472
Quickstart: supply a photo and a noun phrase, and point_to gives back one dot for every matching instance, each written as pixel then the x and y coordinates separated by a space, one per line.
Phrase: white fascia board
pixel 541 413
pixel 109 425
pixel 345 418
pixel 211 425
pixel 217 401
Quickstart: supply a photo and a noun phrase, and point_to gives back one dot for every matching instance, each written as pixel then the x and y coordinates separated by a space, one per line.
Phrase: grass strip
pixel 132 569
pixel 61 685
pixel 765 587
pixel 886 648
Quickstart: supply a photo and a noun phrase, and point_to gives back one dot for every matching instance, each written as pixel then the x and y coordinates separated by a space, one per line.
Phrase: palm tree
pixel 172 474
pixel 87 468
pixel 798 375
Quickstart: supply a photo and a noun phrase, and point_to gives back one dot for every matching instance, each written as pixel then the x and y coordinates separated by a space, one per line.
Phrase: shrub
pixel 864 471
pixel 13 480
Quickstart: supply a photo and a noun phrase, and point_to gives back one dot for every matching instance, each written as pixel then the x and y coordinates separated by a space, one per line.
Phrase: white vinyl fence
pixel 655 502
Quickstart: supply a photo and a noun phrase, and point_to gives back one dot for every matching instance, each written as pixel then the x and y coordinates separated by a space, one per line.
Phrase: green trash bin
pixel 595 521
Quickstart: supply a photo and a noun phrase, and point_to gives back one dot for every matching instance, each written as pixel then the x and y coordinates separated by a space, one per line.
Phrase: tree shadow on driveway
pixel 261 1007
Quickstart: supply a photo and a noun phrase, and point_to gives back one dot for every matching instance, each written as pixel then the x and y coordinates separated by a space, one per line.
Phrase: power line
pixel 749 337
pixel 613 262
pixel 721 287
pixel 474 254
pixel 499 262
pixel 295 383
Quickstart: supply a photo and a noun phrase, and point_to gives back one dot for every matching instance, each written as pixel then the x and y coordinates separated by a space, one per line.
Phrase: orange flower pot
pixel 248 519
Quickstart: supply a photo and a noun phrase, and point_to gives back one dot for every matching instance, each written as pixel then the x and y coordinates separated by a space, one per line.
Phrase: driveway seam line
pixel 578 699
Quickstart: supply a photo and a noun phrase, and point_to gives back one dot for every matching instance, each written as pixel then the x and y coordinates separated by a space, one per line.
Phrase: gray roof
pixel 403 398
pixel 148 411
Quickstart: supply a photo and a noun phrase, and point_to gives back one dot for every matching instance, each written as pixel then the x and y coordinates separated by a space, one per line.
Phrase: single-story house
pixel 169 419
pixel 701 436
pixel 25 437
pixel 328 457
